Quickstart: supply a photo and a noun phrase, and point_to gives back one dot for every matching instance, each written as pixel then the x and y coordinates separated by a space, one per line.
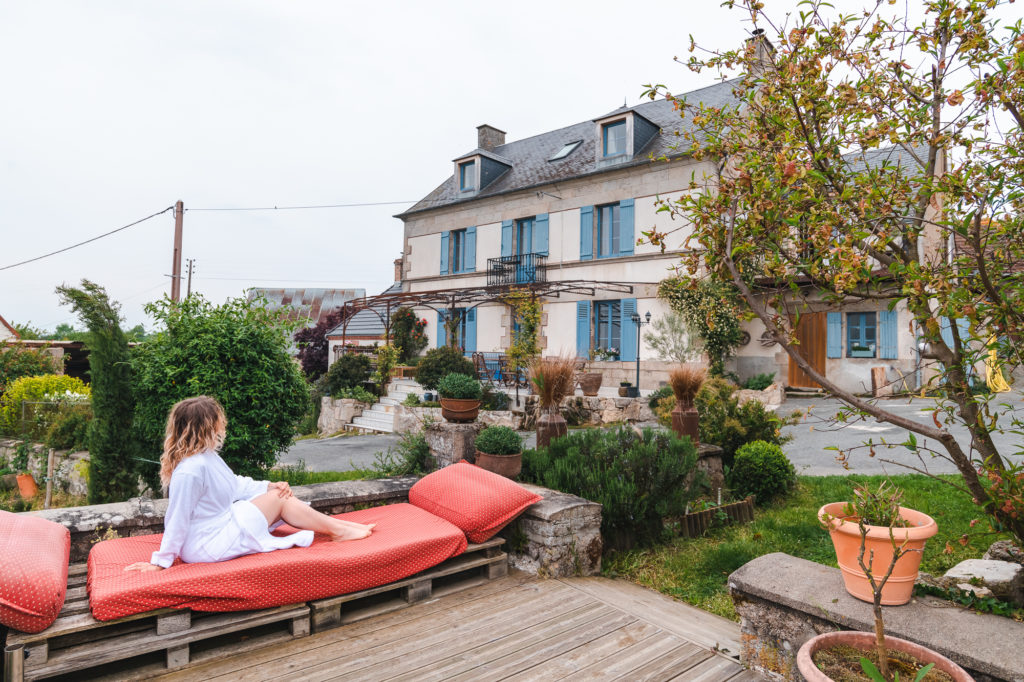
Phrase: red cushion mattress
pixel 33 571
pixel 406 540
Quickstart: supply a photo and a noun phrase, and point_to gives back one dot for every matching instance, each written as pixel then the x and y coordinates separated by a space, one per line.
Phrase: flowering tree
pixel 876 157
pixel 408 333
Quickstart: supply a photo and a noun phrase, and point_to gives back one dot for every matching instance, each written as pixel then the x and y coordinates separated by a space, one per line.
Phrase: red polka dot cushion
pixel 407 540
pixel 33 571
pixel 475 500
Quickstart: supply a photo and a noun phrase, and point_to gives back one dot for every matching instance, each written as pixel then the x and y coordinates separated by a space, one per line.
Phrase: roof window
pixel 566 150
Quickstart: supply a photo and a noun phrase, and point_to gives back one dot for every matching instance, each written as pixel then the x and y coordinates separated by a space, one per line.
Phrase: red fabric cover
pixel 33 571
pixel 479 502
pixel 406 540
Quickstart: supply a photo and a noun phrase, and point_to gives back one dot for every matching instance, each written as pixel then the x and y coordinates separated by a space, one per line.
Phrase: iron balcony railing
pixel 523 268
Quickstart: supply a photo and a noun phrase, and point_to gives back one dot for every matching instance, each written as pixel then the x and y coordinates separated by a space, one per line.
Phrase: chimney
pixel 489 137
pixel 398 269
pixel 763 49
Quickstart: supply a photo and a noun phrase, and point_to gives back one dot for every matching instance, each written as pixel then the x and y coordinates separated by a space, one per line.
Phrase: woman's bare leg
pixel 300 515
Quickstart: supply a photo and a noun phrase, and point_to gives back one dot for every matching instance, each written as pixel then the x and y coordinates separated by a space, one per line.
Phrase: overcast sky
pixel 112 111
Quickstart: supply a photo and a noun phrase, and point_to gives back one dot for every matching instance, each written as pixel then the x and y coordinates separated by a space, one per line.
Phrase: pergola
pixel 443 300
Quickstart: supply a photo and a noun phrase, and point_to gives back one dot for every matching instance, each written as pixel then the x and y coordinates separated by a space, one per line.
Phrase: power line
pixel 87 241
pixel 295 208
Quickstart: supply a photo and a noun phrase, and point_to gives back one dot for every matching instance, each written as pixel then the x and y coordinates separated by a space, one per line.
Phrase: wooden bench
pixel 175 638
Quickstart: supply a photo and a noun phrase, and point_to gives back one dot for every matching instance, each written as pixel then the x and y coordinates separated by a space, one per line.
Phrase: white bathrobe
pixel 210 518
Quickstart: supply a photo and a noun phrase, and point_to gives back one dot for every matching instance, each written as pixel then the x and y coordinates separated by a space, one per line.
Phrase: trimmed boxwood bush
pixel 459 387
pixel 439 362
pixel 639 478
pixel 761 469
pixel 348 371
pixel 499 440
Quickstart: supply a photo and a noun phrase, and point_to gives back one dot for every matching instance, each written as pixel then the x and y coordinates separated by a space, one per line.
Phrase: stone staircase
pixel 380 418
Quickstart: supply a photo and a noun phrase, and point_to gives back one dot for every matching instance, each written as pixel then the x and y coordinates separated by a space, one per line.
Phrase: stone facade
pixel 784 601
pixel 70 469
pixel 335 414
pixel 450 443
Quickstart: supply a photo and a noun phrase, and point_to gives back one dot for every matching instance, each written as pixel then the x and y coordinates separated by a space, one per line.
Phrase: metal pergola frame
pixel 443 300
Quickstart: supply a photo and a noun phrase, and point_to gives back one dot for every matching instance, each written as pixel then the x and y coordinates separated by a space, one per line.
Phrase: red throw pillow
pixel 478 502
pixel 33 571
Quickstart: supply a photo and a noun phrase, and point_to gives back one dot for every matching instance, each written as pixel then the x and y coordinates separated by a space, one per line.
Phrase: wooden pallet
pixel 77 641
pixel 479 563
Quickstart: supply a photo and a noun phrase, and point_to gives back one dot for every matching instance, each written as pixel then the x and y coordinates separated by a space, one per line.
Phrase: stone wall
pixel 335 414
pixel 784 601
pixel 70 469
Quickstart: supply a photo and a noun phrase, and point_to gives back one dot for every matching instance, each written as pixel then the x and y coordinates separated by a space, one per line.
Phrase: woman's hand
pixel 143 566
pixel 283 489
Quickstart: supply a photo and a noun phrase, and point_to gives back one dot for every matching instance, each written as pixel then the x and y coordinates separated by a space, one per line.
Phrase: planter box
pixel 862 353
pixel 695 524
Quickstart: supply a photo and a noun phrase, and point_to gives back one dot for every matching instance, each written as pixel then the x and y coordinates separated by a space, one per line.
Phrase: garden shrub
pixel 639 478
pixel 348 371
pixel 726 423
pixel 761 469
pixel 314 345
pixel 47 387
pixel 356 393
pixel 658 395
pixel 70 427
pixel 493 399
pixel 410 456
pixel 236 352
pixel 499 440
pixel 759 382
pixel 441 361
pixel 19 361
pixel 459 387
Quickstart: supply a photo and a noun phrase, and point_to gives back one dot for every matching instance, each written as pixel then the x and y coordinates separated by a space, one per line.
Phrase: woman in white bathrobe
pixel 215 515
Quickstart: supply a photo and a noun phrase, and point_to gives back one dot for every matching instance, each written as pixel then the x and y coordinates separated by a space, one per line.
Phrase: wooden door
pixel 811 332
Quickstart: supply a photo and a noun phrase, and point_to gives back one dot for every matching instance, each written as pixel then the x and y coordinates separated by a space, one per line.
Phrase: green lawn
pixel 297 476
pixel 695 571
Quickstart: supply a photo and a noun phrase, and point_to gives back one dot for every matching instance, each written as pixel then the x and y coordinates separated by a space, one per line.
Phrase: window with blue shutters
pixel 607 231
pixel 629 336
pixel 583 329
pixel 626 227
pixel 524 236
pixel 888 334
pixel 507 238
pixel 465 328
pixel 445 238
pixel 586 232
pixel 608 223
pixel 540 234
pixel 861 340
pixel 458 251
pixel 608 326
pixel 834 336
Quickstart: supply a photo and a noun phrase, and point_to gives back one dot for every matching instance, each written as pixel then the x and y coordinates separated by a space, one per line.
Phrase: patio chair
pixel 483 374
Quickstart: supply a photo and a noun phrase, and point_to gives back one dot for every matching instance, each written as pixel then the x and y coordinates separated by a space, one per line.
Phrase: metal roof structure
pixel 309 305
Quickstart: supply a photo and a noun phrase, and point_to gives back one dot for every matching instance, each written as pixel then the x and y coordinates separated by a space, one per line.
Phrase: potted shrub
pixel 590 382
pixel 686 381
pixel 499 449
pixel 553 379
pixel 628 390
pixel 872 655
pixel 881 520
pixel 460 397
pixel 26 481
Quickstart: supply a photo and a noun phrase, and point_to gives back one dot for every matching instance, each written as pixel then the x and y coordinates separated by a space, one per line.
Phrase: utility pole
pixel 191 266
pixel 179 214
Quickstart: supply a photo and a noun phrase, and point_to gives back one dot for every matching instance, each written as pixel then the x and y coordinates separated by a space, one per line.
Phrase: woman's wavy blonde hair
pixel 194 425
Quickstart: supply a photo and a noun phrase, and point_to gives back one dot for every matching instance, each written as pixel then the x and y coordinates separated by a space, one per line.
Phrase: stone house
pixel 7 332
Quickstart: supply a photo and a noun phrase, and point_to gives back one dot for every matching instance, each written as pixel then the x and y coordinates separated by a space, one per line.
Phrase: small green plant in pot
pixel 460 397
pixel 499 449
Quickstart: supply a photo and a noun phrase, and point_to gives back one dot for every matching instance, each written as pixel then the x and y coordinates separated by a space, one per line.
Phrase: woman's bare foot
pixel 352 531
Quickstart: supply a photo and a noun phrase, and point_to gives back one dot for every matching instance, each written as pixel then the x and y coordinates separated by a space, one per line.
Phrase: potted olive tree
pixel 499 449
pixel 460 397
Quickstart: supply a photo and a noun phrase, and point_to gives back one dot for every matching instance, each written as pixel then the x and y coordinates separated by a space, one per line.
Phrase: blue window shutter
pixel 834 336
pixel 587 233
pixel 626 227
pixel 540 234
pixel 628 351
pixel 583 329
pixel 469 257
pixel 888 330
pixel 444 253
pixel 469 343
pixel 506 238
pixel 441 334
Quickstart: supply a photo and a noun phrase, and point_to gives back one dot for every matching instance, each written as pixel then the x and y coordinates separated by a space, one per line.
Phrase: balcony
pixel 523 268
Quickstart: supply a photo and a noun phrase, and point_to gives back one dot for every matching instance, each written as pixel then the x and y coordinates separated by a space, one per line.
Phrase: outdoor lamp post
pixel 638 322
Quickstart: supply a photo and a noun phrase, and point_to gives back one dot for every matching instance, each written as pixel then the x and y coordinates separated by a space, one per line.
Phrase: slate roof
pixel 366 322
pixel 308 305
pixel 529 157
pixel 894 156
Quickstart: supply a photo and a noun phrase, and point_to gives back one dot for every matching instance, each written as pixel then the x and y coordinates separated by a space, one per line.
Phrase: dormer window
pixel 467 176
pixel 567 149
pixel 614 138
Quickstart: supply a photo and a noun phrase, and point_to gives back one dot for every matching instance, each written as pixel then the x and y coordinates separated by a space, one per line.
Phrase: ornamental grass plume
pixel 686 380
pixel 554 378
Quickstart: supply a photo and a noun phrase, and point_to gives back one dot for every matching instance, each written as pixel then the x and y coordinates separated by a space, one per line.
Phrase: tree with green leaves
pixel 236 352
pixel 23 361
pixel 113 473
pixel 877 156
pixel 712 310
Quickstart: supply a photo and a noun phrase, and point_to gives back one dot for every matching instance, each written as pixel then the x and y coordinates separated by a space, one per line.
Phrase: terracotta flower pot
pixel 846 539
pixel 623 391
pixel 590 383
pixel 458 410
pixel 27 486
pixel 550 425
pixel 508 466
pixel 686 421
pixel 866 641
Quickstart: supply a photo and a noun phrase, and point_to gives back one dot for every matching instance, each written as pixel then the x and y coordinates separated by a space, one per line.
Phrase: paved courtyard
pixel 807 449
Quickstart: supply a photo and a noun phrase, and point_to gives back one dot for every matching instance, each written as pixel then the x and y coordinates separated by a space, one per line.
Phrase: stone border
pixel 784 601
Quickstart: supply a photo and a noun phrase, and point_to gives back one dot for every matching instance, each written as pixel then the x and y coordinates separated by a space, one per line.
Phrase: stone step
pixel 382 425
pixel 384 411
pixel 389 401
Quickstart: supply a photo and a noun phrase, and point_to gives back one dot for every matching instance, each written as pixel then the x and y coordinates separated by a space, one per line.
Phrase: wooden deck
pixel 512 628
